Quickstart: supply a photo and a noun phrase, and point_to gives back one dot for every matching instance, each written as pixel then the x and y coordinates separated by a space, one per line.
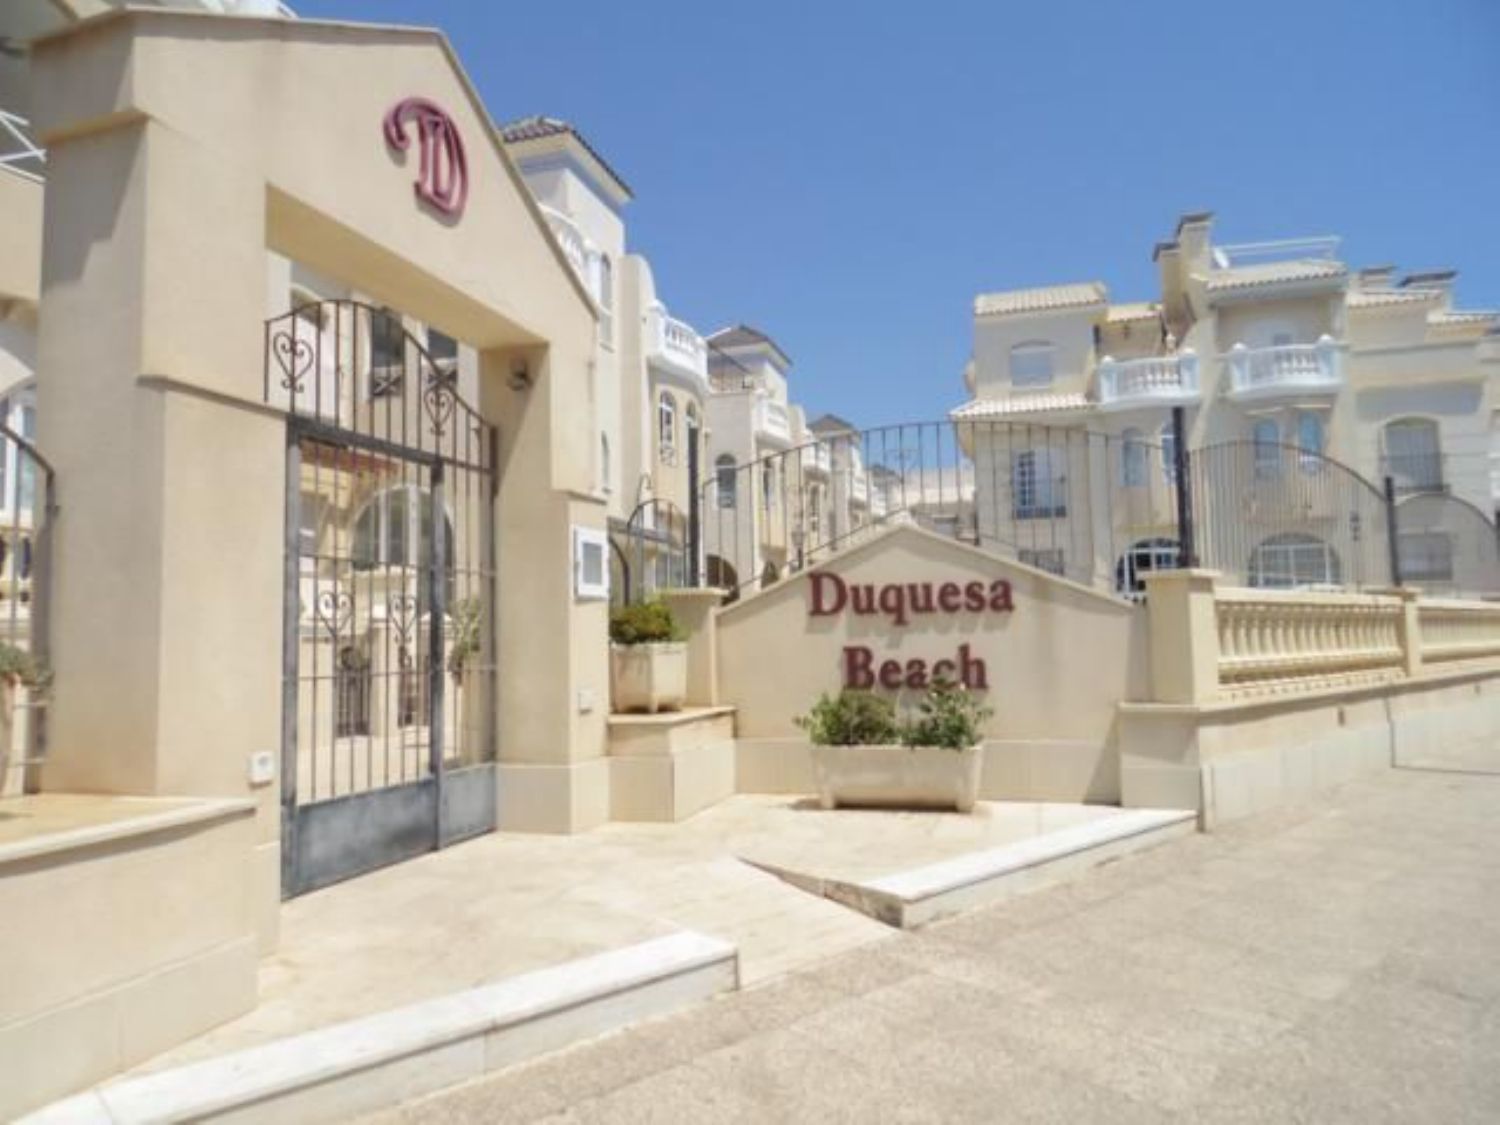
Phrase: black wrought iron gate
pixel 388 692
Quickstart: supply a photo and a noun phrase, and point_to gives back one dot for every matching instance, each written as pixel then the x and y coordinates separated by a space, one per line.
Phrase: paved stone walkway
pixel 1332 963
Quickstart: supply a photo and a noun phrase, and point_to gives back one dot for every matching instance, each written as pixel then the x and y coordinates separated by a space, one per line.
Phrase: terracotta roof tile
pixel 1020 404
pixel 1046 299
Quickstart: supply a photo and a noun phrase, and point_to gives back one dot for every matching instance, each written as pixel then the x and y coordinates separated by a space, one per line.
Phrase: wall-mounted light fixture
pixel 520 375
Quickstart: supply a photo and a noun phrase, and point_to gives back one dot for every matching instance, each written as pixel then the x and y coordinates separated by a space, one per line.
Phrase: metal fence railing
pixel 1099 509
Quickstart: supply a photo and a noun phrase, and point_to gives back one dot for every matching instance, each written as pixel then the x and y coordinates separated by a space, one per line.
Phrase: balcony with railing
pixel 771 420
pixel 1165 380
pixel 816 459
pixel 859 484
pixel 1257 373
pixel 675 346
pixel 19 152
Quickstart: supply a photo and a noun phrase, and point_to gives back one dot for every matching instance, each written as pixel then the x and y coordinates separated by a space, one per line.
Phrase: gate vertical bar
pixel 41 607
pixel 1188 550
pixel 291 639
pixel 490 592
pixel 437 715
pixel 1392 544
pixel 695 514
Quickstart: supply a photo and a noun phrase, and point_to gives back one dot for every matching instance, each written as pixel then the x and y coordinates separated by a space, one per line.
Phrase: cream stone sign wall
pixel 1052 658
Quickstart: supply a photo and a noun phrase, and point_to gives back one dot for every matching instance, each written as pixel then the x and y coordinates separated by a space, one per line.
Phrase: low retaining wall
pixel 127 926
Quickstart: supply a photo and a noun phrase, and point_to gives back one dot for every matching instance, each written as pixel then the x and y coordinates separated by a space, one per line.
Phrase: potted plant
pixel 864 755
pixel 648 659
pixel 18 669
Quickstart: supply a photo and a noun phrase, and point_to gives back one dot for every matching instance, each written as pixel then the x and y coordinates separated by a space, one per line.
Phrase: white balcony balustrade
pixel 1166 380
pixel 677 347
pixel 816 459
pixel 859 486
pixel 1285 368
pixel 771 420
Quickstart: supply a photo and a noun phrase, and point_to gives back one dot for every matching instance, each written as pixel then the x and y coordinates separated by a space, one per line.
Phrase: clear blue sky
pixel 847 176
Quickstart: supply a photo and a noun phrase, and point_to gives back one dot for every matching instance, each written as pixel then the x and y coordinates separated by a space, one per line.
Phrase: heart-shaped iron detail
pixel 439 400
pixel 335 609
pixel 295 357
pixel 402 609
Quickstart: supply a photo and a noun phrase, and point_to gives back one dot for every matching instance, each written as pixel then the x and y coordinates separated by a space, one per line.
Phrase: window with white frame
pixel 1265 437
pixel 1169 453
pixel 1031 364
pixel 1038 484
pixel 1284 562
pixel 1144 557
pixel 666 429
pixel 1425 556
pixel 1310 441
pixel 1413 455
pixel 1132 459
pixel 17 469
pixel 725 480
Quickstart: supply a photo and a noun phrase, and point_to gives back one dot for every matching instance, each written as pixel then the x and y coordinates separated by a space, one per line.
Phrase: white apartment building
pixel 1290 366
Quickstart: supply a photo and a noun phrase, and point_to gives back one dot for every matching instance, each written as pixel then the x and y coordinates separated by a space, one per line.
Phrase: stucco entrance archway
pixel 179 175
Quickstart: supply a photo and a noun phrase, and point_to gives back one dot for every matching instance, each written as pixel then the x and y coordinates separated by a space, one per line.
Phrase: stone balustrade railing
pixel 1457 630
pixel 1270 640
pixel 1216 644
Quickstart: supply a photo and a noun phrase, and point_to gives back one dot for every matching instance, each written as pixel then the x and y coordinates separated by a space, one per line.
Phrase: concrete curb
pixel 377 1061
pixel 914 898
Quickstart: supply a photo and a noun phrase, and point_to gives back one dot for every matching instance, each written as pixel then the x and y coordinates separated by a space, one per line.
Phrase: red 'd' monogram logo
pixel 443 178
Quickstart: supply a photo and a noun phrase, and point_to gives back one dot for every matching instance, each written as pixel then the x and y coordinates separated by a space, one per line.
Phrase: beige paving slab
pixel 1337 962
pixel 508 904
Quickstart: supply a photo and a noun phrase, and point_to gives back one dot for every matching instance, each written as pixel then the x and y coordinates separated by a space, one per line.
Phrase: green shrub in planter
pixel 850 718
pixel 948 715
pixel 18 668
pixel 643 623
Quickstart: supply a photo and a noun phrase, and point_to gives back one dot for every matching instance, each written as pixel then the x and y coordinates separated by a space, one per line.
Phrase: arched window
pixel 605 477
pixel 1286 561
pixel 666 429
pixel 1169 453
pixel 1310 441
pixel 1132 459
pixel 1413 455
pixel 725 480
pixel 606 298
pixel 1031 364
pixel 1266 437
pixel 395 530
pixel 17 469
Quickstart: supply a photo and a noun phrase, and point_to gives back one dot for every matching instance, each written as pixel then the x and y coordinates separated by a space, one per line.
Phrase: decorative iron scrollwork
pixel 294 356
pixel 438 399
pixel 401 609
pixel 335 609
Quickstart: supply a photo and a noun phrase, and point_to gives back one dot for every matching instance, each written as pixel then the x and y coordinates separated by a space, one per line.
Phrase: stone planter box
pixel 903 777
pixel 651 677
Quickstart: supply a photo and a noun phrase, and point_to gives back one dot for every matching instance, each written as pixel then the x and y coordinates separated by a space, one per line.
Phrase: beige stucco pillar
pixel 167 598
pixel 552 646
pixel 695 611
pixel 1184 636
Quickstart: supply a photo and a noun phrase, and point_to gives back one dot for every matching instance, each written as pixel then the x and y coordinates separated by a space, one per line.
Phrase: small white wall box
pixel 590 564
